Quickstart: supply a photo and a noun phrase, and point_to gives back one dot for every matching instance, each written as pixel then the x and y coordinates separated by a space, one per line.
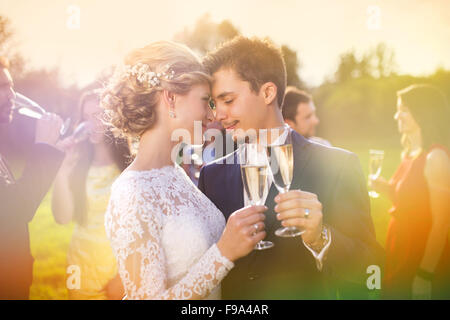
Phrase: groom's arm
pixel 354 246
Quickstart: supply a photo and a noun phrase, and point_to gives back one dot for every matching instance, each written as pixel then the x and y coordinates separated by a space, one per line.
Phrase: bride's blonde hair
pixel 130 102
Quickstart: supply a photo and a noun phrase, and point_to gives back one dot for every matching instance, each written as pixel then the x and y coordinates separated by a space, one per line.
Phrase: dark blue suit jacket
pixel 288 271
pixel 18 204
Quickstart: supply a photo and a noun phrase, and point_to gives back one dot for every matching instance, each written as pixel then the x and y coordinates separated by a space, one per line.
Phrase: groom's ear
pixel 269 92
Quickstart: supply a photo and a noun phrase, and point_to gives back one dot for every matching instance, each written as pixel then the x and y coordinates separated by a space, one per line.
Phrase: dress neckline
pixel 148 171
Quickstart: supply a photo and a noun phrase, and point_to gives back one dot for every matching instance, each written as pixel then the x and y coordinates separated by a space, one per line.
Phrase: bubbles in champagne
pixel 282 164
pixel 254 179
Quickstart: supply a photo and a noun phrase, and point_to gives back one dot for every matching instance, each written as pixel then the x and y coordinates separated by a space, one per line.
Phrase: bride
pixel 170 241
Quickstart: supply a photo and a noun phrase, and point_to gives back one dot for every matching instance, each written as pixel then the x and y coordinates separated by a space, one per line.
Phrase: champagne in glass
pixel 254 178
pixel 29 108
pixel 255 175
pixel 281 159
pixel 282 164
pixel 375 163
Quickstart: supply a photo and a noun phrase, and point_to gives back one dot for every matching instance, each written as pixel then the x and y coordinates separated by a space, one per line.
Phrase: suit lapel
pixel 234 188
pixel 301 157
pixel 237 188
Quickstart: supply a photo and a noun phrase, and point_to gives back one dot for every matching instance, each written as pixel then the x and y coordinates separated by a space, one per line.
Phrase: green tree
pixel 206 34
pixel 378 62
pixel 348 67
pixel 292 67
pixel 7 47
pixel 6 34
pixel 384 60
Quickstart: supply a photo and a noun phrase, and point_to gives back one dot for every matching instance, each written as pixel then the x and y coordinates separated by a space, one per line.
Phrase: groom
pixel 327 198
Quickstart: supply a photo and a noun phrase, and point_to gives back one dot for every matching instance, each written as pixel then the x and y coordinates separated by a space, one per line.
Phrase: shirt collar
pixel 282 138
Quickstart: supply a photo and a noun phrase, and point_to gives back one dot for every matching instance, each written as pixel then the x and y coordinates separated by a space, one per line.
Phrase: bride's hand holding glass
pixel 244 229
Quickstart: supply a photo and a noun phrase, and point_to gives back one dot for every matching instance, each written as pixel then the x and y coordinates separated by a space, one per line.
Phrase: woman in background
pixel 81 193
pixel 417 245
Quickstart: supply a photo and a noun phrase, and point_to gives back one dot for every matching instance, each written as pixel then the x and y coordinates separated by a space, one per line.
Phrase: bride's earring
pixel 171 111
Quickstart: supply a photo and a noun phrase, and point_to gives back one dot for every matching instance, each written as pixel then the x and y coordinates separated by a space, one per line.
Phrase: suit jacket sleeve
pixel 21 200
pixel 354 246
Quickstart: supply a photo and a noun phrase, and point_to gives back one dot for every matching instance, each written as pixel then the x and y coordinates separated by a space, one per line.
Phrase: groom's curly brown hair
pixel 255 60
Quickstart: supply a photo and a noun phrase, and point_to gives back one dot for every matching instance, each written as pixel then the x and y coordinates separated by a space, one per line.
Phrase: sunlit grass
pixel 49 245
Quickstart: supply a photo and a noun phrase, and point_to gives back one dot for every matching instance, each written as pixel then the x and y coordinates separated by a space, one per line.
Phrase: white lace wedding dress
pixel 163 231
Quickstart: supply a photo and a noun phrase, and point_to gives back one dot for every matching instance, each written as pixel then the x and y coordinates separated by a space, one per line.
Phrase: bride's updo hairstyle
pixel 131 96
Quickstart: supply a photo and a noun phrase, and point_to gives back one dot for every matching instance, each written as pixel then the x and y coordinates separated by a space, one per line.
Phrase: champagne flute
pixel 29 108
pixel 375 163
pixel 5 173
pixel 82 132
pixel 281 160
pixel 255 175
pixel 196 160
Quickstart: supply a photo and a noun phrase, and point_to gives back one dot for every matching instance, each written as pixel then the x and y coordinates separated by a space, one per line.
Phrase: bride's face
pixel 194 106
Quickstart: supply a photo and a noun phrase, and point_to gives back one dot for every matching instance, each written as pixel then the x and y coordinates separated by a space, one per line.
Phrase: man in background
pixel 299 113
pixel 19 199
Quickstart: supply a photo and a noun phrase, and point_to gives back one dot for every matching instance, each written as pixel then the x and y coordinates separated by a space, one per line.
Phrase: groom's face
pixel 237 105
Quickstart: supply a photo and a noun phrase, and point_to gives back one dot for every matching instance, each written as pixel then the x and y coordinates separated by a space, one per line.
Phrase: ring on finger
pixel 254 232
pixel 307 213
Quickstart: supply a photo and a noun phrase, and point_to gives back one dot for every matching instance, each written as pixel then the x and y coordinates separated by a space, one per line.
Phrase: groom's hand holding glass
pixel 302 210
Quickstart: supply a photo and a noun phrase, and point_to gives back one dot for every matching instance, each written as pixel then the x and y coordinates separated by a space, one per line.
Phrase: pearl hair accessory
pixel 145 76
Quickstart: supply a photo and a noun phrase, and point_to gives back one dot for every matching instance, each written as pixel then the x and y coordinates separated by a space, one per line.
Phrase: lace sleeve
pixel 133 224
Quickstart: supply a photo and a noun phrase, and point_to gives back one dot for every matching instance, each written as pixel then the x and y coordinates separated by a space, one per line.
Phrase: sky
pixel 51 33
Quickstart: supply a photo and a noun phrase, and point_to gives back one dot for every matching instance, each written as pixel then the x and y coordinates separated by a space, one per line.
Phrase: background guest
pixel 299 112
pixel 19 199
pixel 81 193
pixel 417 246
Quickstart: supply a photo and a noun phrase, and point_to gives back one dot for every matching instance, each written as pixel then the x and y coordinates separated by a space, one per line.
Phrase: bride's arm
pixel 134 226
